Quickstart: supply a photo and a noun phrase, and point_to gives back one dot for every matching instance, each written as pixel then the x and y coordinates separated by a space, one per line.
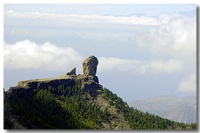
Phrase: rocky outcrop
pixel 72 72
pixel 44 83
pixel 89 82
pixel 88 79
pixel 90 66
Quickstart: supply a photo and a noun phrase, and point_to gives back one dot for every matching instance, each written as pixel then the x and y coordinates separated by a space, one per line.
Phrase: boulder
pixel 90 66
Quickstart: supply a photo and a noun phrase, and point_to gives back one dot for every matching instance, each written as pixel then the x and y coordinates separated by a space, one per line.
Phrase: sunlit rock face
pixel 90 66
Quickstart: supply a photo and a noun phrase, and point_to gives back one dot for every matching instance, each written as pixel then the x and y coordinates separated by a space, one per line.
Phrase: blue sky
pixel 144 50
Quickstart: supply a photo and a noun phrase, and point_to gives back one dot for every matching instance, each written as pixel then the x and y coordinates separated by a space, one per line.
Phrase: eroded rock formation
pixel 72 72
pixel 89 80
pixel 90 66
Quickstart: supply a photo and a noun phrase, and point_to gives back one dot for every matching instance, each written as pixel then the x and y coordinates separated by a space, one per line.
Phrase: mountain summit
pixel 75 101
pixel 88 80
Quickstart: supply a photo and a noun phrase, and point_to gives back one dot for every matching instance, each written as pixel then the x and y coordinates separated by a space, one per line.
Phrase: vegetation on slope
pixel 140 120
pixel 74 108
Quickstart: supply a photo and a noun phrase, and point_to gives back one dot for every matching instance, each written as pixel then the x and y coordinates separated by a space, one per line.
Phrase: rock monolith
pixel 90 66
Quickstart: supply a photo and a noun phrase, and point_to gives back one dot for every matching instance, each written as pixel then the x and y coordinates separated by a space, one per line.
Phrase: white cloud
pixel 27 54
pixel 89 19
pixel 87 27
pixel 188 84
pixel 172 36
pixel 175 36
pixel 139 67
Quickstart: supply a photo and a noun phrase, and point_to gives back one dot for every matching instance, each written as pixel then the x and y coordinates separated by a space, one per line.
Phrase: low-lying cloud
pixel 139 66
pixel 27 54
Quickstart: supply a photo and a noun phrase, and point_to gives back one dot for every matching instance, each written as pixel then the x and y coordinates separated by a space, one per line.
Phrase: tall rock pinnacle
pixel 90 66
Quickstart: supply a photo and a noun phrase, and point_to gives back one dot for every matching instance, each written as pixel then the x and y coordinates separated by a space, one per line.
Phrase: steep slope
pixel 74 108
pixel 75 102
pixel 182 109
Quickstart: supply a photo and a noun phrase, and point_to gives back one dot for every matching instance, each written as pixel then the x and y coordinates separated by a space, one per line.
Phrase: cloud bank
pixel 27 55
pixel 89 19
pixel 172 35
pixel 176 36
pixel 139 66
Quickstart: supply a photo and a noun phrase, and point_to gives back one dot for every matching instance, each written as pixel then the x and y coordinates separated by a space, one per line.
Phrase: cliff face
pixel 54 82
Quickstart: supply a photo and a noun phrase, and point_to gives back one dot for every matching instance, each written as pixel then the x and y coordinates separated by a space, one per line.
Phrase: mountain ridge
pixel 182 109
pixel 76 102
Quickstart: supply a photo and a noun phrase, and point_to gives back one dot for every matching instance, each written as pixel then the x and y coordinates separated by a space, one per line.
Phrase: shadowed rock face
pixel 90 66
